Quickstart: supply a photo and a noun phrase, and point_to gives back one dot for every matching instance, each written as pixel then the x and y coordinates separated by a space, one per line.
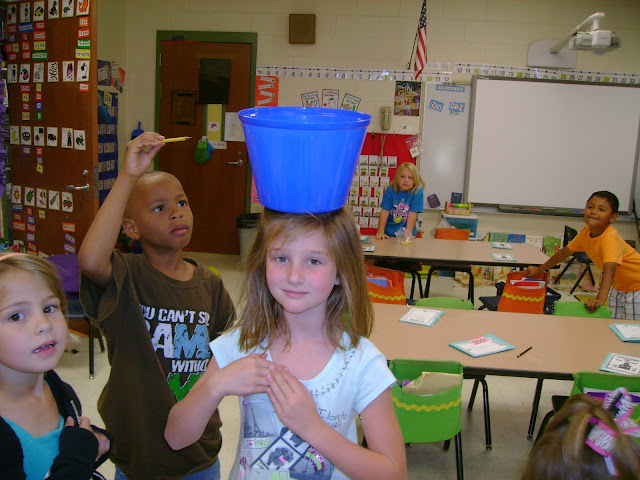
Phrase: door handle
pixel 82 188
pixel 239 163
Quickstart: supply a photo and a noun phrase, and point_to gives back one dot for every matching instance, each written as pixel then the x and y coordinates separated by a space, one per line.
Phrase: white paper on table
pixel 629 331
pixel 617 363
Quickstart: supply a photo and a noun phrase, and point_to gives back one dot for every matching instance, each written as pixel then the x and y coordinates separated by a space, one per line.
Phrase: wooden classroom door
pixel 217 188
pixel 53 122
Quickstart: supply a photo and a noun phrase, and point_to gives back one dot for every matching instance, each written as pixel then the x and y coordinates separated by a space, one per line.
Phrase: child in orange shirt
pixel 618 261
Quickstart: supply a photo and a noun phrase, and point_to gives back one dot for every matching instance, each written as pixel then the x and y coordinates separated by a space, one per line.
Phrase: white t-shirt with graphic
pixel 267 449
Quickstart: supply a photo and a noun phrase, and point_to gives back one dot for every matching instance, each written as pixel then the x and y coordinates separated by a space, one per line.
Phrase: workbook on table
pixel 486 345
pixel 422 316
pixel 618 363
pixel 503 257
pixel 628 332
pixel 504 245
pixel 368 248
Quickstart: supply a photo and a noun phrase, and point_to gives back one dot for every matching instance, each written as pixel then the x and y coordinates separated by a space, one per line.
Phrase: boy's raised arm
pixel 94 256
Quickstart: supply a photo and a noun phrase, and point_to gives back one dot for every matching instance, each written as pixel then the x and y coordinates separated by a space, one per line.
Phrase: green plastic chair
pixel 578 309
pixel 601 381
pixel 608 381
pixel 445 302
pixel 429 418
pixel 451 302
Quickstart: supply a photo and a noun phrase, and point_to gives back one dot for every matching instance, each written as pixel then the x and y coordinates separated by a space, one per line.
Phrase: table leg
pixel 534 410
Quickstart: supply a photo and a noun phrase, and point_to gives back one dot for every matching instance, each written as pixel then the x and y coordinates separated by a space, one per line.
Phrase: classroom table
pixel 444 251
pixel 560 345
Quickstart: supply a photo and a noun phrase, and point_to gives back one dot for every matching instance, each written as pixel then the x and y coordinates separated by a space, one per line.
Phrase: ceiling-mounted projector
pixel 597 41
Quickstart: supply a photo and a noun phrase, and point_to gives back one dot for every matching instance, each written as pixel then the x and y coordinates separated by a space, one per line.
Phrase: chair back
pixel 382 292
pixel 445 302
pixel 578 309
pixel 426 418
pixel 608 381
pixel 452 233
pixel 68 271
pixel 519 299
pixel 570 234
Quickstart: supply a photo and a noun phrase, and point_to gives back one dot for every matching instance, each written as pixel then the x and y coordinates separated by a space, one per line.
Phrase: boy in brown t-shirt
pixel 158 310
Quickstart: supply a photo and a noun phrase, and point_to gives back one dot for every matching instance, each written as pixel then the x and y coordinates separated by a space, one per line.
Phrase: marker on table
pixel 175 139
pixel 524 352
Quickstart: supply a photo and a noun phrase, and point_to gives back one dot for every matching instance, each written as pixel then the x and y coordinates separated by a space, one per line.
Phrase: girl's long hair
pixel 562 454
pixel 348 307
pixel 418 181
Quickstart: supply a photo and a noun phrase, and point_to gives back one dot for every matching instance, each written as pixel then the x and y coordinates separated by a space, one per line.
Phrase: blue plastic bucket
pixel 303 159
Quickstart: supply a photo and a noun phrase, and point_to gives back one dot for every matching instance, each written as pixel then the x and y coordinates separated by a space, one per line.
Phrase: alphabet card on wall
pixel 25 12
pixel 16 194
pixel 12 73
pixel 38 11
pixel 53 9
pixel 30 196
pixel 41 198
pixel 54 200
pixel 25 135
pixel 67 8
pixel 68 71
pixel 52 72
pixel 38 72
pixel 25 73
pixel 38 136
pixel 67 201
pixel 52 136
pixel 14 135
pixel 82 7
pixel 83 71
pixel 79 139
pixel 12 13
pixel 67 137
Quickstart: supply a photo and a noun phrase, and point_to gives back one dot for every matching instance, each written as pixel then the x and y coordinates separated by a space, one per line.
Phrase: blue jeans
pixel 211 473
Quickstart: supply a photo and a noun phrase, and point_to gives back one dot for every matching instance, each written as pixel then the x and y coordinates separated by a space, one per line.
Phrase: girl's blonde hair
pixel 418 181
pixel 36 266
pixel 562 454
pixel 348 307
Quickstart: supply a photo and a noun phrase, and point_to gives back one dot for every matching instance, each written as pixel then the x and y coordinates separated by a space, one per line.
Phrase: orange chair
pixel 452 234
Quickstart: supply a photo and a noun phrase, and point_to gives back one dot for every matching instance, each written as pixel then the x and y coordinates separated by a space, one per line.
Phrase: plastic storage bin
pixel 467 222
pixel 303 159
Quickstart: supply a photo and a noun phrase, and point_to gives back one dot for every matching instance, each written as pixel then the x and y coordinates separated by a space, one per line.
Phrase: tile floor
pixel 510 403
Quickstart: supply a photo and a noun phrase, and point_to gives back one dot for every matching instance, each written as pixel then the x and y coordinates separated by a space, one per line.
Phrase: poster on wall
pixel 330 98
pixel 310 99
pixel 350 102
pixel 267 91
pixel 407 99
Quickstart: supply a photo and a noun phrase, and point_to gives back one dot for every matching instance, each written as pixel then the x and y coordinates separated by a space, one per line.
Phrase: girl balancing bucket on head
pixel 294 151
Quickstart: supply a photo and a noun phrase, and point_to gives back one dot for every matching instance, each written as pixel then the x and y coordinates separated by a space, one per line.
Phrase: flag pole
pixel 413 49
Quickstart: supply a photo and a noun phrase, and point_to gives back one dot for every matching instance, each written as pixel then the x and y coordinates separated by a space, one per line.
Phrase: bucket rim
pixel 304 118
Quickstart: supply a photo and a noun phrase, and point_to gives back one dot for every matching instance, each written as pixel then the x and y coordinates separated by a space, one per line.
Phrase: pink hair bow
pixel 601 438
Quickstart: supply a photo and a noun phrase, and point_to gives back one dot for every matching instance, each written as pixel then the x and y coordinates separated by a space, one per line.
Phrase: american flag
pixel 421 42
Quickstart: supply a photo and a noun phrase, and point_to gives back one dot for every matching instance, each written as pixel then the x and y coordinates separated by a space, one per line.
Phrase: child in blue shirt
pixel 401 203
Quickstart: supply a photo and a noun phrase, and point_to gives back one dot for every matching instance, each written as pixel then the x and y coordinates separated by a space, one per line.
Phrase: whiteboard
pixel 550 144
pixel 445 121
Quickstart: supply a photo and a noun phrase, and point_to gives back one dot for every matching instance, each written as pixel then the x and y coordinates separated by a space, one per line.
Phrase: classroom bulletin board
pixel 551 144
pixel 444 140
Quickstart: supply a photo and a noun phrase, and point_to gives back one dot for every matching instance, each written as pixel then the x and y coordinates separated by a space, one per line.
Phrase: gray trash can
pixel 247 224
